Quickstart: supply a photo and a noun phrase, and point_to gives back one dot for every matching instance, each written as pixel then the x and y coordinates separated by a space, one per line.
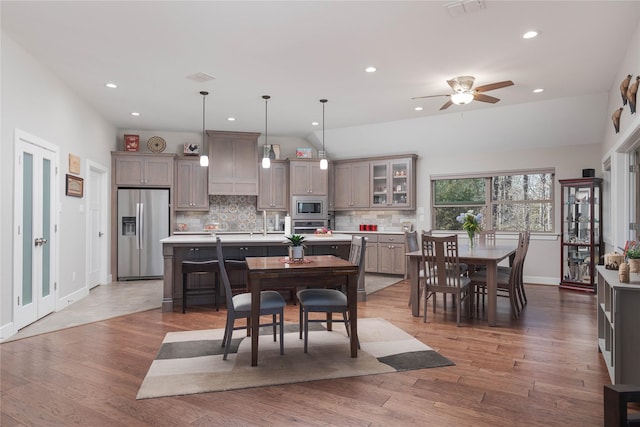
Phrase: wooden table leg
pixel 492 291
pixel 352 295
pixel 414 274
pixel 254 288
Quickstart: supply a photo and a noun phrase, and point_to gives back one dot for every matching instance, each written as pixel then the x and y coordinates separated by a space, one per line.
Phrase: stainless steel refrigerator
pixel 143 219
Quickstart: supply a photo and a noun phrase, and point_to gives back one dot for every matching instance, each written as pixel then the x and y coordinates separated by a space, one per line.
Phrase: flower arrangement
pixel 470 223
pixel 632 250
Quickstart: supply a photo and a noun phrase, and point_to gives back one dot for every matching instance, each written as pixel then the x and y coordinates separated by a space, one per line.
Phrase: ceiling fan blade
pixel 446 105
pixel 485 98
pixel 428 96
pixel 494 86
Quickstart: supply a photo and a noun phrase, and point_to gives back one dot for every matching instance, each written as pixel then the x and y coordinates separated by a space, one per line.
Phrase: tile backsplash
pixel 385 220
pixel 233 213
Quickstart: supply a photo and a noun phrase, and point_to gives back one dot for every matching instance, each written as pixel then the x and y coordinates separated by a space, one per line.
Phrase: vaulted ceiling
pixel 300 51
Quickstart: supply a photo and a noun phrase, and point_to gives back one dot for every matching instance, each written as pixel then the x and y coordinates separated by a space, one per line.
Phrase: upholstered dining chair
pixel 442 272
pixel 239 306
pixel 329 301
pixel 509 280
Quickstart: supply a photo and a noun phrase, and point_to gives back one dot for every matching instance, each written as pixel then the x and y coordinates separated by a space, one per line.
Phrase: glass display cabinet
pixel 582 245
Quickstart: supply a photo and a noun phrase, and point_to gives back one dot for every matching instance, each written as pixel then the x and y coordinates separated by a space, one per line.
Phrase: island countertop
pixel 250 238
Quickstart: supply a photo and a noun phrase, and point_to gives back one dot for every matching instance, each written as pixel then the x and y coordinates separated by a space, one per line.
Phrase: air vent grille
pixel 201 77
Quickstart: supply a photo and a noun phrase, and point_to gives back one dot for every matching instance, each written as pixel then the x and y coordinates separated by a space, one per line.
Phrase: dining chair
pixel 239 306
pixel 314 300
pixel 509 279
pixel 443 273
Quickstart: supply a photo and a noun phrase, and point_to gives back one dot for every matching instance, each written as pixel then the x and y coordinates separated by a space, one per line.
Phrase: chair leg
pixel 274 320
pixel 185 285
pixel 300 324
pixel 306 329
pixel 281 331
pixel 346 323
pixel 228 334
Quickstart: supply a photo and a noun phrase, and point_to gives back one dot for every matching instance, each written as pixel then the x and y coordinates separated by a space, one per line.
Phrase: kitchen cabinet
pixel 351 185
pixel 233 163
pixel 391 254
pixel 274 187
pixel 307 179
pixel 191 185
pixel 582 247
pixel 393 183
pixel 142 170
pixel 618 333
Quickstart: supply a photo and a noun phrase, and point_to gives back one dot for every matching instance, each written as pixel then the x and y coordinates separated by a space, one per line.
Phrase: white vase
pixel 297 252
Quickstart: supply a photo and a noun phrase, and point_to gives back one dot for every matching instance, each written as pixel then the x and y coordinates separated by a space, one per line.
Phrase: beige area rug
pixel 191 362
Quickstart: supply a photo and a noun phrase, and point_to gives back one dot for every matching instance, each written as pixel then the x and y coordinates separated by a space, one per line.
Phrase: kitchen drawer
pixel 391 238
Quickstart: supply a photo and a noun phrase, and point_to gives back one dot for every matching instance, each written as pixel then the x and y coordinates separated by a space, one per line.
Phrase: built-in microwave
pixel 309 207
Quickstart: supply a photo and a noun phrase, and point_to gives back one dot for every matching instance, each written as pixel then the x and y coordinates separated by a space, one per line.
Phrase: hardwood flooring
pixel 543 369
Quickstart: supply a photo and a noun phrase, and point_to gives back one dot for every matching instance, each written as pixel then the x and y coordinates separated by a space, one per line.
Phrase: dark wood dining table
pixel 487 255
pixel 315 271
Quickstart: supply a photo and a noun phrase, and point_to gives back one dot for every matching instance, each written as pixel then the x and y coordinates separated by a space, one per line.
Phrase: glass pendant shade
pixel 324 164
pixel 266 163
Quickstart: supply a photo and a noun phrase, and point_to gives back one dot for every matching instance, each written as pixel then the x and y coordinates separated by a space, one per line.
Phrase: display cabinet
pixel 392 183
pixel 581 235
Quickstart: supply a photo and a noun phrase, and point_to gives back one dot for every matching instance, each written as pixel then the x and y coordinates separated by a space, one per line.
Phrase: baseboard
pixel 6 331
pixel 541 280
pixel 67 300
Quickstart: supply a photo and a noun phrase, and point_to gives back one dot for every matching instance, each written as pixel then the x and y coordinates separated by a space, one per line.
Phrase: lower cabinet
pixel 618 332
pixel 341 251
pixel 385 253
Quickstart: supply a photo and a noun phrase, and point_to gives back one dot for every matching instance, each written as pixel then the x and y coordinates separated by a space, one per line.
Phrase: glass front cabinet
pixel 582 245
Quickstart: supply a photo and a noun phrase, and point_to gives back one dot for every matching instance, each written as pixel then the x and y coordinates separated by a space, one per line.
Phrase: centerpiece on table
pixel 323 232
pixel 296 247
pixel 471 224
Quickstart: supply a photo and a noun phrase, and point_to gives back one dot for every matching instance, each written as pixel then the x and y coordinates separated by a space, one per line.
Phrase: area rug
pixel 191 362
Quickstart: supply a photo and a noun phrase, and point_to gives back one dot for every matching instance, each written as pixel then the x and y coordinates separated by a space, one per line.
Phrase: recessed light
pixel 538 90
pixel 531 34
pixel 370 69
pixel 418 108
pixel 231 119
pixel 315 124
pixel 111 85
pixel 135 113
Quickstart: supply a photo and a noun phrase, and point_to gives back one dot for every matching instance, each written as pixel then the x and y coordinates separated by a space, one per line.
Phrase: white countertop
pixel 248 238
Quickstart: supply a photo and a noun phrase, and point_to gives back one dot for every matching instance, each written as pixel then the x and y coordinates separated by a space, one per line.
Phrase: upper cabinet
pixel 307 179
pixel 274 186
pixel 191 185
pixel 233 163
pixel 143 170
pixel 351 185
pixel 392 183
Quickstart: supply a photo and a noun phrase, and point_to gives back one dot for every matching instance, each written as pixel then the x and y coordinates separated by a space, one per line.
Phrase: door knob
pixel 40 241
pixel 100 234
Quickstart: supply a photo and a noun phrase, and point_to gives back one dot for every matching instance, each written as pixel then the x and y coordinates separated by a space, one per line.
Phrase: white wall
pixel 37 102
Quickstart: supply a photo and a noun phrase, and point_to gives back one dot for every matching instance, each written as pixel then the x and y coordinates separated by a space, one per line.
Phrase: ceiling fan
pixel 463 93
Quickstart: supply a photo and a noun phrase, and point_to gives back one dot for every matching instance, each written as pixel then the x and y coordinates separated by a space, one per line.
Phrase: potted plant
pixel 633 255
pixel 296 246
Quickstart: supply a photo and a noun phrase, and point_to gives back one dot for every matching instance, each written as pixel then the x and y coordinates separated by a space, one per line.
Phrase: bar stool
pixel 199 267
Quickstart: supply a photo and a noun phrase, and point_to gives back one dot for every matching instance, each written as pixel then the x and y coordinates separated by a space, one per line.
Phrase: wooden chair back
pixel 441 262
pixel 357 254
pixel 487 237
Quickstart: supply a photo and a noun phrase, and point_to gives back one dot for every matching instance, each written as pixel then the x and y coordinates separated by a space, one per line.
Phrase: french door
pixel 35 254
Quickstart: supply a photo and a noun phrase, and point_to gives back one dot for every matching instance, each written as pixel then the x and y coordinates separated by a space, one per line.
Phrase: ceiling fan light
pixel 462 98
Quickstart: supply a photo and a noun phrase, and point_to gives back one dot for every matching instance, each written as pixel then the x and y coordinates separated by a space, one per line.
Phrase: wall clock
pixel 155 144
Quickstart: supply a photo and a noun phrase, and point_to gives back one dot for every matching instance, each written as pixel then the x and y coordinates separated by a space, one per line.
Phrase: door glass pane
pixel 27 230
pixel 46 227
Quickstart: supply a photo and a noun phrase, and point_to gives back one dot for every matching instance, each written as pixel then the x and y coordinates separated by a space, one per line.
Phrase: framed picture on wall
pixel 75 186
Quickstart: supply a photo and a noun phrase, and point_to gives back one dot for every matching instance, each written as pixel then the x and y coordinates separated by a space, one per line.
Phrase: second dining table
pixel 313 271
pixel 487 255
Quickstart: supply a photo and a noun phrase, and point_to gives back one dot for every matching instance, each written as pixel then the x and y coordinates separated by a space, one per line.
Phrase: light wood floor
pixel 543 370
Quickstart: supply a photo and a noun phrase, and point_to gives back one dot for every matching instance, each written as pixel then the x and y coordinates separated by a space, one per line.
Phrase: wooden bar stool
pixel 199 267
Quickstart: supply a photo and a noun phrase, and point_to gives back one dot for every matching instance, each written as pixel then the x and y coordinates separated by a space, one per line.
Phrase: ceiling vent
pixel 462 7
pixel 201 77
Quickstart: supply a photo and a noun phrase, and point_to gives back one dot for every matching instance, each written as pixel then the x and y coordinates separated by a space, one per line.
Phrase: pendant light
pixel 266 161
pixel 324 163
pixel 204 157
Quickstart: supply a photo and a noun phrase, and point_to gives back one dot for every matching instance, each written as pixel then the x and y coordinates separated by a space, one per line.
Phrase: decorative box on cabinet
pixel 618 319
pixel 307 178
pixel 142 170
pixel 233 163
pixel 392 183
pixel 274 186
pixel 581 235
pixel 351 185
pixel 191 185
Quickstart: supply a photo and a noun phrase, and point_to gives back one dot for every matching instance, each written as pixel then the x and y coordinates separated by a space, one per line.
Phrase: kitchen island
pixel 178 248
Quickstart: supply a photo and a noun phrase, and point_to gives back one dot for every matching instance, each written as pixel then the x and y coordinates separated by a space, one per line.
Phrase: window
pixel 512 201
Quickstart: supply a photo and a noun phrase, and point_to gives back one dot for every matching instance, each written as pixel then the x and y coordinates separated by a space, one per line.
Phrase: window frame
pixel 487 207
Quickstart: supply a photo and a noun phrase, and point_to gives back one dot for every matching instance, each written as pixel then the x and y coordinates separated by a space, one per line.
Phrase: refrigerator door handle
pixel 141 234
pixel 138 227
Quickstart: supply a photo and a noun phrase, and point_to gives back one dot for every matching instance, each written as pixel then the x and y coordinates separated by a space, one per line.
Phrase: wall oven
pixel 311 208
pixel 308 227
